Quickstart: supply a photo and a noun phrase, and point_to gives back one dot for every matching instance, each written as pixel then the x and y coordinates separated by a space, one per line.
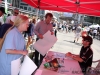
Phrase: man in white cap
pixel 77 33
pixel 12 20
pixel 15 13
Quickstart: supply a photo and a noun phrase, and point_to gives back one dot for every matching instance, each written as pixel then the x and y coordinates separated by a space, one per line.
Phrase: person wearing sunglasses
pixel 15 13
pixel 86 54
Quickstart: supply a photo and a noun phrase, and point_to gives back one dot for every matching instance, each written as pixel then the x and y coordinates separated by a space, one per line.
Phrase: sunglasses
pixel 16 13
pixel 86 40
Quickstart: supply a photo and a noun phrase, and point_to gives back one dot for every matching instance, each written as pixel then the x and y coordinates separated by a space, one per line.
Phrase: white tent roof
pixel 94 26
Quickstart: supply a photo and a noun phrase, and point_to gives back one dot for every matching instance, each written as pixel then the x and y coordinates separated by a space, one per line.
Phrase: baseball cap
pixel 88 38
pixel 2 9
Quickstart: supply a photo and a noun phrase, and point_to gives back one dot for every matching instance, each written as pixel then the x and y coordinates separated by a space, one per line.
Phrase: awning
pixel 87 7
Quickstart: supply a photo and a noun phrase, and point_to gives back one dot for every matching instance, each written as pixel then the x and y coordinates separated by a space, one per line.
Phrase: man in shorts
pixel 77 33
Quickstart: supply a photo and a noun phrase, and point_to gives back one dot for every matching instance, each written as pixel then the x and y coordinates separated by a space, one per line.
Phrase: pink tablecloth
pixel 71 67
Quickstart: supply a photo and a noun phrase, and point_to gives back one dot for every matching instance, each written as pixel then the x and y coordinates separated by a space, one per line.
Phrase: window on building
pixel 25 8
pixel 24 4
pixel 9 1
pixel 29 9
pixel 33 10
pixel 42 11
pixel 21 7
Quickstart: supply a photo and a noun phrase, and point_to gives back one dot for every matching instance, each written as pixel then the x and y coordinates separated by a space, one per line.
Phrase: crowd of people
pixel 14 45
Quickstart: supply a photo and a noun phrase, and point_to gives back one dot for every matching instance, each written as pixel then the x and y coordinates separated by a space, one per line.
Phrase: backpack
pixel 4 29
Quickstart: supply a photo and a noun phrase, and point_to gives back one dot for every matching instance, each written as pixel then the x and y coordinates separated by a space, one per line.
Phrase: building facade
pixel 23 7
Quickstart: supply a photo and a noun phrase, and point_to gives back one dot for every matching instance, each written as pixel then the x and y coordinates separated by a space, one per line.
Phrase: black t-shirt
pixel 87 55
pixel 29 28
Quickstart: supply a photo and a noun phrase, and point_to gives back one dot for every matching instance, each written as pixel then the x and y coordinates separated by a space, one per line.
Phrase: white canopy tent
pixel 94 26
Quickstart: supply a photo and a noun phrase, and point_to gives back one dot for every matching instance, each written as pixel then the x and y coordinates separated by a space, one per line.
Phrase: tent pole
pixel 82 19
pixel 37 14
pixel 38 10
pixel 77 14
pixel 77 19
pixel 94 21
